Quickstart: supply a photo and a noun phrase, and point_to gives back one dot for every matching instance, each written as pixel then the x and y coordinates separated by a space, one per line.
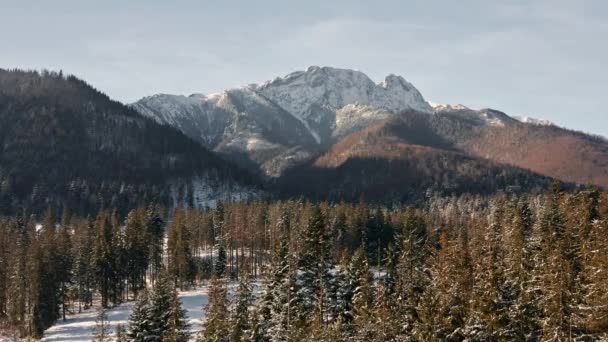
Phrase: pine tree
pixel 554 272
pixel 524 312
pixel 136 246
pixel 49 291
pixel 18 281
pixel 591 312
pixel 219 269
pixel 216 327
pixel 65 262
pixel 167 320
pixel 83 269
pixel 411 276
pixel 156 232
pixel 179 251
pixel 177 325
pixel 139 321
pixel 240 318
pixel 489 298
pixel 313 269
pixel 362 285
pixel 104 258
pixel 442 310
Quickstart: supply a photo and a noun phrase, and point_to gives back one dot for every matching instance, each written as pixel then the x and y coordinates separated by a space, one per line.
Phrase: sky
pixel 541 58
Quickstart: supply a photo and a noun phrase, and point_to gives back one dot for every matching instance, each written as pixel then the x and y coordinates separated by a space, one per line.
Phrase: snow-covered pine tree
pixel 270 304
pixel 240 322
pixel 524 312
pixel 411 276
pixel 591 312
pixel 443 308
pixel 362 285
pixel 217 319
pixel 314 266
pixel 177 327
pixel 139 322
pixel 489 301
pixel 284 308
pixel 554 272
pixel 160 308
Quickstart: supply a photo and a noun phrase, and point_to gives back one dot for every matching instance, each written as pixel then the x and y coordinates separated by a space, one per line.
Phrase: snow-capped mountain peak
pixel 288 118
pixel 304 93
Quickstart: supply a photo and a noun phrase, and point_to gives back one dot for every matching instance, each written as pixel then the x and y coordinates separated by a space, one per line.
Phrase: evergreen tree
pixel 137 247
pixel 219 269
pixel 104 258
pixel 167 320
pixel 139 320
pixel 411 276
pixel 313 269
pixel 156 233
pixel 216 327
pixel 177 325
pixel 361 283
pixel 179 250
pixel 240 318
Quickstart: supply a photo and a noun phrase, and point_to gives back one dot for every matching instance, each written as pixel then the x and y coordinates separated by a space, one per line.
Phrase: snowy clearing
pixel 79 327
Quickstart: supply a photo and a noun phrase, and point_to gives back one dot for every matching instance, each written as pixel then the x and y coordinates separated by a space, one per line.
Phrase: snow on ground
pixel 80 327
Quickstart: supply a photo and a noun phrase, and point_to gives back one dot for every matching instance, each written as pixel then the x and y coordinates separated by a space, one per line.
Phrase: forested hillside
pixel 64 143
pixel 545 149
pixel 402 160
pixel 460 268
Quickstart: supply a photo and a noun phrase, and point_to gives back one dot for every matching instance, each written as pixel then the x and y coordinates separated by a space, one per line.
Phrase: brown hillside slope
pixel 548 150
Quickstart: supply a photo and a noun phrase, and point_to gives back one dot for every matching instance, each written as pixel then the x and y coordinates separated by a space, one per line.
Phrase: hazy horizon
pixel 543 59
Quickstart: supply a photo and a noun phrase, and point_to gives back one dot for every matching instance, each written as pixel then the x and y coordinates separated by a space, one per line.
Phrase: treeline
pixel 507 269
pixel 462 268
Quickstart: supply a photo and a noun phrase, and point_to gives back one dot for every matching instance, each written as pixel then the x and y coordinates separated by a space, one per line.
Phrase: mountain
pixel 402 159
pixel 64 143
pixel 334 131
pixel 286 121
pixel 536 146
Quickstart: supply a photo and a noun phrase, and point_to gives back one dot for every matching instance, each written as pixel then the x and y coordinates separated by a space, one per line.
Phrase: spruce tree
pixel 362 285
pixel 177 325
pixel 179 250
pixel 240 321
pixel 216 327
pixel 139 321
pixel 313 269
pixel 167 320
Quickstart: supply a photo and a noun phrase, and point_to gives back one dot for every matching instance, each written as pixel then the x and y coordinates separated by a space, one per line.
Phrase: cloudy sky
pixel 542 58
